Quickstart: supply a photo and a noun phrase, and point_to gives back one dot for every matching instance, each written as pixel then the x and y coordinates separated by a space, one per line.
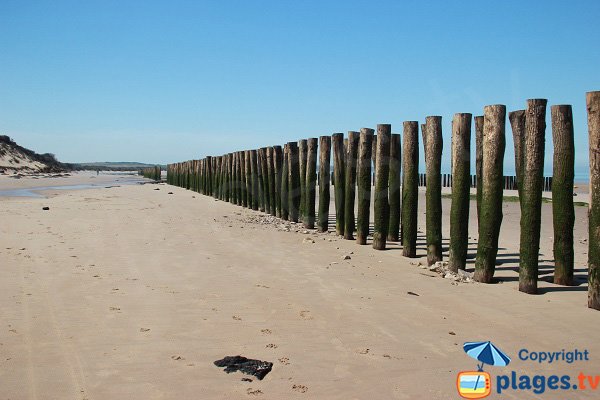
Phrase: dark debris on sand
pixel 257 368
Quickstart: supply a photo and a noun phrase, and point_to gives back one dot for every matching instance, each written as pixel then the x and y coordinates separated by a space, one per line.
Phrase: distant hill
pixel 114 166
pixel 15 158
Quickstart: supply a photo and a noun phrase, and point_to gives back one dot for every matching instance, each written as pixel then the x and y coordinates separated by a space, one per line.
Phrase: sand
pixel 131 293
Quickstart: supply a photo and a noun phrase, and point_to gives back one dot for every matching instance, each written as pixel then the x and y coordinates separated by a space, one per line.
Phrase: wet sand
pixel 131 292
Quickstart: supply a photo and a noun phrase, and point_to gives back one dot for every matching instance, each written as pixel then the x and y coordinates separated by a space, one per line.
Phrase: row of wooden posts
pixel 282 181
pixel 151 172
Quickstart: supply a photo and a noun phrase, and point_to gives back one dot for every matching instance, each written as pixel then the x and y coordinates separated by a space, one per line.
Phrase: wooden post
pixel 410 188
pixel 294 181
pixel 339 169
pixel 350 184
pixel 394 191
pixel 285 184
pixel 254 176
pixel 302 149
pixel 244 193
pixel 433 192
pixel 593 109
pixel 311 182
pixel 382 171
pixel 277 164
pixel 494 144
pixel 517 124
pixel 563 211
pixel 531 191
pixel 324 178
pixel 365 151
pixel 461 197
pixel 271 180
pixel 478 163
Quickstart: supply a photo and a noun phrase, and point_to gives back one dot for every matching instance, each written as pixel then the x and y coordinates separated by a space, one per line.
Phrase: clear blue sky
pixel 173 80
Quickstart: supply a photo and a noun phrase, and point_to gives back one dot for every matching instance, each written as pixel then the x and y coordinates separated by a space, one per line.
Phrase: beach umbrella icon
pixel 487 353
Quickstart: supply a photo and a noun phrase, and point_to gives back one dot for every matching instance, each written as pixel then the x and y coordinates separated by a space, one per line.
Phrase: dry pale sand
pixel 132 293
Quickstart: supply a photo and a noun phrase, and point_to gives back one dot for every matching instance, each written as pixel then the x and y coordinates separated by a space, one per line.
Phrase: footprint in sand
pixel 252 392
pixel 266 331
pixel 284 360
pixel 271 346
pixel 300 388
pixel 305 314
pixel 236 318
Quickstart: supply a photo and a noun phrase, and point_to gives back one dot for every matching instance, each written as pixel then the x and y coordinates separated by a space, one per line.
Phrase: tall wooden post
pixel 394 191
pixel 494 144
pixel 324 178
pixel 563 211
pixel 277 164
pixel 339 169
pixel 410 188
pixel 461 196
pixel 271 180
pixel 365 151
pixel 350 185
pixel 285 197
pixel 254 174
pixel 517 124
pixel 311 183
pixel 433 192
pixel 593 110
pixel 302 150
pixel 294 181
pixel 479 163
pixel 531 203
pixel 382 171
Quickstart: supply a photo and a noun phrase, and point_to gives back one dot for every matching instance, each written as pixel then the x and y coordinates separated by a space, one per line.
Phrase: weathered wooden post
pixel 271 180
pixel 563 211
pixel 254 176
pixel 285 196
pixel 433 192
pixel 593 111
pixel 494 144
pixel 350 184
pixel 461 196
pixel 365 150
pixel 382 171
pixel 394 191
pixel 531 203
pixel 374 155
pixel 240 174
pixel 263 181
pixel 294 181
pixel 311 182
pixel 517 124
pixel 410 188
pixel 339 169
pixel 277 164
pixel 243 191
pixel 248 176
pixel 478 163
pixel 302 149
pixel 324 177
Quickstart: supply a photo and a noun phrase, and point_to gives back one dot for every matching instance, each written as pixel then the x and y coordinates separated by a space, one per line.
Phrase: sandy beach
pixel 130 292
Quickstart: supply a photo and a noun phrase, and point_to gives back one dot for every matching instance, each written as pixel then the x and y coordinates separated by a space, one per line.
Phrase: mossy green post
pixel 563 210
pixel 302 151
pixel 311 183
pixel 294 182
pixel 461 184
pixel 517 124
pixel 494 144
pixel 285 183
pixel 593 112
pixel 382 171
pixel 339 169
pixel 277 164
pixel 365 150
pixel 394 189
pixel 271 186
pixel 350 184
pixel 410 188
pixel 531 193
pixel 324 182
pixel 433 189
